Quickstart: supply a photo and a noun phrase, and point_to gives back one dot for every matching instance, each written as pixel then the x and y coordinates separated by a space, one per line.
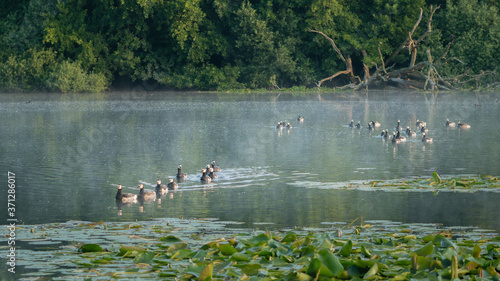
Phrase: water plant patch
pixel 215 250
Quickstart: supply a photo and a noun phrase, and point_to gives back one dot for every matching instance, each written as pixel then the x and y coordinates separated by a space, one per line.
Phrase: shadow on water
pixel 69 153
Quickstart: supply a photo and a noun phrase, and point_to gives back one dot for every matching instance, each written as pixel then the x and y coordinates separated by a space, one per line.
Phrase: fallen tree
pixel 421 75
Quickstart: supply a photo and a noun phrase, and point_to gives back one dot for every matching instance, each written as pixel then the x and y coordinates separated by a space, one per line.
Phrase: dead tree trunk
pixel 347 62
pixel 411 44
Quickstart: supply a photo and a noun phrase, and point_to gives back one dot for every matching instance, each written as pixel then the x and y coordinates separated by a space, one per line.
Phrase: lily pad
pixel 90 248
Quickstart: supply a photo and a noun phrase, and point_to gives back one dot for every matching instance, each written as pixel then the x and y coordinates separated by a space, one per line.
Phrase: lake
pixel 70 151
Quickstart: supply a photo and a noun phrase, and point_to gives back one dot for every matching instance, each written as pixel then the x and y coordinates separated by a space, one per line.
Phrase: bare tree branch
pixel 347 62
pixel 333 44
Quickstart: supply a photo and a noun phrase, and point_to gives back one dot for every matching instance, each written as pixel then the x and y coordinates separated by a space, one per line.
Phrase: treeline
pixel 93 45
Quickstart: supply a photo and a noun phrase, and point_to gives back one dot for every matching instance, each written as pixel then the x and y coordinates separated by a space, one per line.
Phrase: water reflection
pixel 71 152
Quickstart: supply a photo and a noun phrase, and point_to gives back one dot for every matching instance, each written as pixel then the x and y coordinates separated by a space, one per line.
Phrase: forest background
pixel 95 45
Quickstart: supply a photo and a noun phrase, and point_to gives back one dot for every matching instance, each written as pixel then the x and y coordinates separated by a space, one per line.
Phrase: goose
pixel 212 175
pixel 424 130
pixel 400 137
pixel 398 127
pixel 426 139
pixel 449 123
pixel 394 139
pixel 420 123
pixel 145 195
pixel 171 184
pixel 204 178
pixel 409 132
pixel 386 134
pixel 180 175
pixel 375 124
pixel 463 125
pixel 351 125
pixel 160 189
pixel 300 119
pixel 358 125
pixel 125 197
pixel 216 168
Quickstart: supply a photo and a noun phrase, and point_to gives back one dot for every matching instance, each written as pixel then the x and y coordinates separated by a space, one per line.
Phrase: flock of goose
pixel 397 136
pixel 207 176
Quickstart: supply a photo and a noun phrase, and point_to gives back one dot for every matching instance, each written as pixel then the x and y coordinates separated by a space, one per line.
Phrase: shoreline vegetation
pixel 207 249
pixel 95 46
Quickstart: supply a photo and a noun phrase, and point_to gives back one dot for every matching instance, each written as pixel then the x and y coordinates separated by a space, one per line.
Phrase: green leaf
pixel 259 239
pixel 175 247
pixel 227 249
pixel 345 251
pixel 144 257
pixel 239 257
pixel 90 248
pixel 206 274
pixel 445 243
pixel 170 238
pixel 251 269
pixel 314 267
pixel 195 269
pixel 289 237
pixel 436 177
pixel 128 249
pixel 426 250
pixel 330 261
pixel 477 251
pixel 372 273
pixel 325 245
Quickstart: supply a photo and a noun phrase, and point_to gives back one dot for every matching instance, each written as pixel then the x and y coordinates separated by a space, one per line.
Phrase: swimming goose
pixel 171 184
pixel 160 189
pixel 398 127
pixel 394 139
pixel 409 132
pixel 420 123
pixel 212 175
pixel 204 178
pixel 145 195
pixel 463 125
pixel 424 130
pixel 375 124
pixel 216 168
pixel 300 119
pixel 125 197
pixel 400 137
pixel 449 123
pixel 180 175
pixel 351 125
pixel 358 125
pixel 426 139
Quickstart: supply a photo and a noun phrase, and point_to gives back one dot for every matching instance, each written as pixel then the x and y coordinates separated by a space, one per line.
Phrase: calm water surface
pixel 69 153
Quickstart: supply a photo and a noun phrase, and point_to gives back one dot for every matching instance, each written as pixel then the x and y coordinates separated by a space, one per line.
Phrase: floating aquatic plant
pixel 436 183
pixel 209 250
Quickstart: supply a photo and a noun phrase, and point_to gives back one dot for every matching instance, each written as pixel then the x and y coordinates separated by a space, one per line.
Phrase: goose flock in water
pixel 397 135
pixel 208 175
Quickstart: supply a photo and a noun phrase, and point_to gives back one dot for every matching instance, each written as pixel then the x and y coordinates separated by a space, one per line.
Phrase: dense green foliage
pixel 89 45
pixel 176 249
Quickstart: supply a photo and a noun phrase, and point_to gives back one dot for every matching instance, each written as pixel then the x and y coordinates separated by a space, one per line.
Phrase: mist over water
pixel 69 153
